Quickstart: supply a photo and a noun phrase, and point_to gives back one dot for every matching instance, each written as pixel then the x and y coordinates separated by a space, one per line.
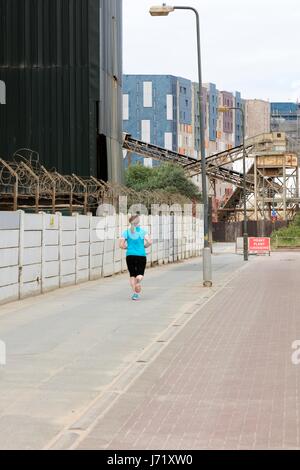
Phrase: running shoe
pixel 135 297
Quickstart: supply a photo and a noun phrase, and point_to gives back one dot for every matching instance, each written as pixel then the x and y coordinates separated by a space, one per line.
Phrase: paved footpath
pixel 71 352
pixel 225 381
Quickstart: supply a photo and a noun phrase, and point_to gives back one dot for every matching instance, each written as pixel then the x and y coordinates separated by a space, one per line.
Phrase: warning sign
pixel 259 245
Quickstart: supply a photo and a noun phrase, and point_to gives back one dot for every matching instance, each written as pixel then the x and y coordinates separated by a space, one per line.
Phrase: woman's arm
pixel 123 243
pixel 148 241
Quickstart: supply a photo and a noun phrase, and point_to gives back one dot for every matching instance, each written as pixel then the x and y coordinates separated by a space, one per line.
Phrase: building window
pixel 146 131
pixel 169 140
pixel 2 92
pixel 148 162
pixel 170 107
pixel 125 107
pixel 148 98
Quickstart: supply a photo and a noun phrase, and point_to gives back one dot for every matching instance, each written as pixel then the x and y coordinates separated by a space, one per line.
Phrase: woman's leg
pixel 138 286
pixel 141 266
pixel 133 283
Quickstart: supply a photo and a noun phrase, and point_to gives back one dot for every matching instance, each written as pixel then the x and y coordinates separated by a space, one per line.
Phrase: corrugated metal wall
pixel 111 113
pixel 50 54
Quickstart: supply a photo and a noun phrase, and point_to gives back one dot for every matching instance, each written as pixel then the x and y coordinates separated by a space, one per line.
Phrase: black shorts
pixel 136 265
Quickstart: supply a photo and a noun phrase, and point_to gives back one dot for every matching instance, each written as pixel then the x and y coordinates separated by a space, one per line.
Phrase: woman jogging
pixel 135 240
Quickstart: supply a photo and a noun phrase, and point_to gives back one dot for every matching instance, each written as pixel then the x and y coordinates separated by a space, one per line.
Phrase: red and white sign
pixel 259 245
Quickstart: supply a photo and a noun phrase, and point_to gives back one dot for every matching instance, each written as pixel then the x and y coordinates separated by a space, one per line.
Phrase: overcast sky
pixel 248 45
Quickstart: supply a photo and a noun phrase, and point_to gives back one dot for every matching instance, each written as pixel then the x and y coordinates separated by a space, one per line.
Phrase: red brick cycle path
pixel 226 381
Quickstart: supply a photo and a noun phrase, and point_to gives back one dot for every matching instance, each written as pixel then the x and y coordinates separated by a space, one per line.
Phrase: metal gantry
pixel 272 180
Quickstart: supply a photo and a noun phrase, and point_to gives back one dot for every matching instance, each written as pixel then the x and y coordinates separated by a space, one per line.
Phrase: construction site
pixel 272 181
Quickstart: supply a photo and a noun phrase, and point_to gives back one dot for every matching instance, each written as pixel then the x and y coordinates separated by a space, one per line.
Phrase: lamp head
pixel 224 109
pixel 161 10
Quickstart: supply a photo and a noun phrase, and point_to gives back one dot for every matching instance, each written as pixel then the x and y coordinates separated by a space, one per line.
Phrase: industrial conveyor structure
pixel 272 180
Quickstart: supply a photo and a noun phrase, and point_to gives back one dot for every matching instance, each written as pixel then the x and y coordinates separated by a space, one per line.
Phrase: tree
pixel 167 177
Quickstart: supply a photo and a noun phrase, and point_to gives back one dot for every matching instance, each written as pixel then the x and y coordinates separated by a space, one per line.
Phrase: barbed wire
pixel 26 184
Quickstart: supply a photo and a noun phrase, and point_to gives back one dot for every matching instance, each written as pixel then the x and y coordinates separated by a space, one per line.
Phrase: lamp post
pixel 225 109
pixel 164 10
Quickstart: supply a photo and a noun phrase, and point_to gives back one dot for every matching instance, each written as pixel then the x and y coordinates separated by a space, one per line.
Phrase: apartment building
pixel 158 109
pixel 258 117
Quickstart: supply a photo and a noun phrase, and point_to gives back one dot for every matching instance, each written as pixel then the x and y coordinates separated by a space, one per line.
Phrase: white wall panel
pixel 72 257
pixel 148 94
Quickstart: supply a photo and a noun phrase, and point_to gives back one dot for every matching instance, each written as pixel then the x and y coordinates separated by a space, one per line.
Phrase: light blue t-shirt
pixel 135 242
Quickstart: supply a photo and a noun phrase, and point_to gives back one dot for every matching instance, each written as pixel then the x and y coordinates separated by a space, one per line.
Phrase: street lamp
pixel 225 109
pixel 164 10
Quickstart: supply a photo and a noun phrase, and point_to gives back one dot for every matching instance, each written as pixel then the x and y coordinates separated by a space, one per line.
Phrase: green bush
pixel 287 236
pixel 167 177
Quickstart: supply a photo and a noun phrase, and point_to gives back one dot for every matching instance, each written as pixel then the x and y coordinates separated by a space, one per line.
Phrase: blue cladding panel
pixel 162 85
pixel 238 120
pixel 213 113
pixel 285 109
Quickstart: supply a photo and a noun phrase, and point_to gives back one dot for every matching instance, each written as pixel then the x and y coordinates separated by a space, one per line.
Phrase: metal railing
pixel 285 241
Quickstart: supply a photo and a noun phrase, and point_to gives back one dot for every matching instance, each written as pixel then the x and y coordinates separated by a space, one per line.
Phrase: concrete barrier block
pixel 83 249
pixel 51 253
pixel 30 289
pixel 98 223
pixel 9 221
pixel 33 222
pixel 50 283
pixel 97 248
pixel 68 268
pixel 98 235
pixel 68 238
pixel 51 269
pixel 9 293
pixel 96 261
pixel 68 223
pixel 83 276
pixel 83 262
pixel 83 221
pixel 32 256
pixel 68 280
pixel 108 270
pixel 8 257
pixel 51 221
pixel 96 273
pixel 51 237
pixel 9 238
pixel 9 275
pixel 108 257
pixel 109 245
pixel 68 253
pixel 117 267
pixel 32 239
pixel 84 235
pixel 32 273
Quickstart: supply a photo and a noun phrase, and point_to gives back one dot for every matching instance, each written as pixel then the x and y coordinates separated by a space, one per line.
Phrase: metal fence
pixel 26 184
pixel 285 242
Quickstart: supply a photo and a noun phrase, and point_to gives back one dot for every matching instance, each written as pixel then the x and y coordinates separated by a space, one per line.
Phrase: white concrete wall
pixel 42 252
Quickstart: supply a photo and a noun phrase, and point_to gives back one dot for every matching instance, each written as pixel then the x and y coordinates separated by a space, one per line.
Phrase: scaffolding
pixel 275 175
pixel 272 181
